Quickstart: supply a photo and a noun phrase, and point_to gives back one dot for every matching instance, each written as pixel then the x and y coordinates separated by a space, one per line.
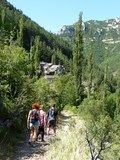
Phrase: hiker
pixel 42 123
pixel 33 123
pixel 52 119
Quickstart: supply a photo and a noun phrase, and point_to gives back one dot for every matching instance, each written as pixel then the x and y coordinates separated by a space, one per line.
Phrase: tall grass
pixel 70 143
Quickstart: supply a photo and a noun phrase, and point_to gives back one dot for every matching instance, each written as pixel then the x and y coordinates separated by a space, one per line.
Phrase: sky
pixel 52 15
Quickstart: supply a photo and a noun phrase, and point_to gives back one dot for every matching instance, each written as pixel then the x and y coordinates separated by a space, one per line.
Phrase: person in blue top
pixel 52 119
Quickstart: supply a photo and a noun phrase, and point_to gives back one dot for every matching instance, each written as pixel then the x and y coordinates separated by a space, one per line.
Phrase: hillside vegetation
pixel 17 28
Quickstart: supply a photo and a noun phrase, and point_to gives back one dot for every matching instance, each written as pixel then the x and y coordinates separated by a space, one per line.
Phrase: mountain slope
pixel 10 26
pixel 105 38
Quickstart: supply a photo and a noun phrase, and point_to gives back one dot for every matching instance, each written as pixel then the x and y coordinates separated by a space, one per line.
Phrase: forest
pixel 88 89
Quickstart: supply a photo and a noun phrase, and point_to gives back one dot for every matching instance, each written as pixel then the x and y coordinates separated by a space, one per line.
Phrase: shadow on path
pixel 26 152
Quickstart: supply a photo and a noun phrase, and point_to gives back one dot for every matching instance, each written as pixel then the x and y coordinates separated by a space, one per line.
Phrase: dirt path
pixel 39 152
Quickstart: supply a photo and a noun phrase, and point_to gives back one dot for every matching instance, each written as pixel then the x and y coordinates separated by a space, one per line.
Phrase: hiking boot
pixel 43 140
pixel 38 138
pixel 30 143
pixel 33 145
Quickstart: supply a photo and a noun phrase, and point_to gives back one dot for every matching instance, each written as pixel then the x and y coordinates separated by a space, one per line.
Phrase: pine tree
pixel 78 59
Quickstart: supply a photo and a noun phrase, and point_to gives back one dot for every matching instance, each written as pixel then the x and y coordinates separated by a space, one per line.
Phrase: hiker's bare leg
pixel 54 131
pixel 31 134
pixel 48 130
pixel 35 134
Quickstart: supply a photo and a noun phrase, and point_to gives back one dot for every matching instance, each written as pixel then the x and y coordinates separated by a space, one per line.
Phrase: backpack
pixel 42 119
pixel 33 116
pixel 52 114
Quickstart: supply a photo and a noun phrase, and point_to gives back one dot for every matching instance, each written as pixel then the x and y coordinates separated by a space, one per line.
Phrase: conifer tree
pixel 105 76
pixel 12 35
pixel 71 66
pixel 117 100
pixel 20 34
pixel 90 64
pixel 54 58
pixel 78 59
pixel 37 53
pixel 32 61
pixel 3 17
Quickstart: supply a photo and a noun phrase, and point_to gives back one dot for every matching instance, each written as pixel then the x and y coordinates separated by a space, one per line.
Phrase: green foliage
pixel 37 52
pixel 111 105
pixel 20 34
pixel 17 91
pixel 100 126
pixel 16 66
pixel 78 59
pixel 43 91
pixel 91 108
pixel 54 59
pixel 72 109
pixel 65 89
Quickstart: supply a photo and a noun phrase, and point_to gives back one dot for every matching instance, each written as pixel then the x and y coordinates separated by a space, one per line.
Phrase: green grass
pixel 70 143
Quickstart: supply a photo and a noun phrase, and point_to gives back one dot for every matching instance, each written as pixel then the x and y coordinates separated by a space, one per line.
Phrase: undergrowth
pixel 70 143
pixel 9 139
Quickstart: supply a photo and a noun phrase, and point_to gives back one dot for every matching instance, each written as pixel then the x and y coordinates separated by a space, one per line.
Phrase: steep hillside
pixel 10 27
pixel 105 37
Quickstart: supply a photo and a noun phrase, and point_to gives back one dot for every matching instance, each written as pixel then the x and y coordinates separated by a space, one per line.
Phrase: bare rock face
pixel 69 28
pixel 66 29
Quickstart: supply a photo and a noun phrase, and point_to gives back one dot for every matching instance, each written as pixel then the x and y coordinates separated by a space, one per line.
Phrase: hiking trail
pixel 41 149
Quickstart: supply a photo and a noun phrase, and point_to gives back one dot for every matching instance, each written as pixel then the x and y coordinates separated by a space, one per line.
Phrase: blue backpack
pixel 51 114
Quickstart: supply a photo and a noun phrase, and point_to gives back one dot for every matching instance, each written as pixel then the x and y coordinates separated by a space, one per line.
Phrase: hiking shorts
pixel 35 125
pixel 51 124
pixel 31 125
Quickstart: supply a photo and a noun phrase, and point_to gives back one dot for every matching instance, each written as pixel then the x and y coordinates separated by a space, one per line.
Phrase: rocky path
pixel 39 152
